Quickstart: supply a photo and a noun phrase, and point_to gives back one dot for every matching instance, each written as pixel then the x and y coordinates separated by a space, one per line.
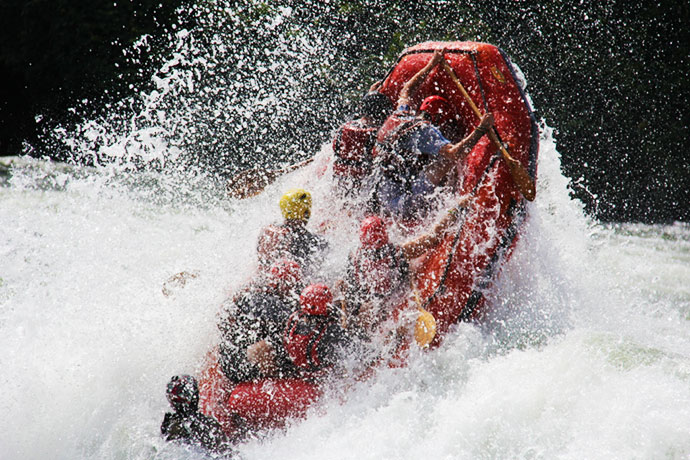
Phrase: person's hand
pixel 452 216
pixel 437 56
pixel 456 211
pixel 261 354
pixel 449 219
pixel 464 201
pixel 486 123
pixel 375 86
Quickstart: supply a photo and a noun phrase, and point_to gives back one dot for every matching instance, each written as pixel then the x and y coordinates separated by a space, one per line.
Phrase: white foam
pixel 585 352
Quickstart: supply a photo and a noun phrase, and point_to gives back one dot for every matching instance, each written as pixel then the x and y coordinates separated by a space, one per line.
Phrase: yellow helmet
pixel 296 204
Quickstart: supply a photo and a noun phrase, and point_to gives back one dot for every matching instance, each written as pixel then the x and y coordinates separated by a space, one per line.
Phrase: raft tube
pixel 454 276
pixel 246 408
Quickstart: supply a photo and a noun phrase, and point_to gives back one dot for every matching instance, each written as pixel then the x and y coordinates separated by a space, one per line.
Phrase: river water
pixel 585 352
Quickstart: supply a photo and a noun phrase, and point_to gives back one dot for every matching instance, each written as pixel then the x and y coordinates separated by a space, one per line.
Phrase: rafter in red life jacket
pixel 379 272
pixel 353 148
pixel 303 340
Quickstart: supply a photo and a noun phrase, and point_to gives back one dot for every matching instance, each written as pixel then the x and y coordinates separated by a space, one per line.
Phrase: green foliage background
pixel 55 54
pixel 612 77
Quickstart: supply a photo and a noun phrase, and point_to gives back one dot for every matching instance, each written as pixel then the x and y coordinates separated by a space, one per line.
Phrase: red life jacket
pixel 272 245
pixel 379 272
pixel 352 148
pixel 308 340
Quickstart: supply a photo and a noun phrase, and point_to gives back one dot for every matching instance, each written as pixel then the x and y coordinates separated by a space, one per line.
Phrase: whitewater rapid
pixel 585 354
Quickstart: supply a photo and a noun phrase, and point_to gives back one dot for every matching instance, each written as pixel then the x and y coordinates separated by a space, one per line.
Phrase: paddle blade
pixel 522 178
pixel 178 281
pixel 424 328
pixel 249 183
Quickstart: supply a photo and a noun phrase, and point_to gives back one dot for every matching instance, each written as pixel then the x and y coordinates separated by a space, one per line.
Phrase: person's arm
pixel 340 289
pixel 451 153
pixel 375 86
pixel 418 246
pixel 411 86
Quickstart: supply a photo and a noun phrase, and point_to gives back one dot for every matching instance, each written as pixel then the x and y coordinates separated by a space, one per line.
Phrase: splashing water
pixel 584 354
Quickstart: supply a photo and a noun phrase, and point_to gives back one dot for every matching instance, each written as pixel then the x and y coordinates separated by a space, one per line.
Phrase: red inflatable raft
pixel 250 407
pixel 454 276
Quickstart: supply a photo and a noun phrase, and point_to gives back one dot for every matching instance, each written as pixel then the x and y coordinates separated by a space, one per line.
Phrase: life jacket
pixel 310 340
pixel 257 314
pixel 378 272
pixel 352 148
pixel 293 242
pixel 194 429
pixel 271 246
pixel 391 153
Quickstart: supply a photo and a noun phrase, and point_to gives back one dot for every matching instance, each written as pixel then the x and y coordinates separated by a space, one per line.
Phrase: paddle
pixel 425 326
pixel 178 281
pixel 251 182
pixel 517 171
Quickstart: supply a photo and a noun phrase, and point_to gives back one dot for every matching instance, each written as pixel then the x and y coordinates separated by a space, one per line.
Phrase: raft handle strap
pixel 440 289
pixel 479 81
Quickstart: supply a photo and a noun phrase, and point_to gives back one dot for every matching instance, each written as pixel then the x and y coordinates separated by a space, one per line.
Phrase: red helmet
pixel 315 299
pixel 438 108
pixel 285 274
pixel 372 233
pixel 183 393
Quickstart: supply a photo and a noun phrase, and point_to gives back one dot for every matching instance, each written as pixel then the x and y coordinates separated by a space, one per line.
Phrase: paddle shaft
pixel 251 182
pixel 289 168
pixel 517 171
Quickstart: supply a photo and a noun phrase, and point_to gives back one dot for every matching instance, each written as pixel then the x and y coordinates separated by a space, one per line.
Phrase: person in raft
pixel 186 424
pixel 354 142
pixel 314 338
pixel 252 325
pixel 378 272
pixel 291 239
pixel 412 156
